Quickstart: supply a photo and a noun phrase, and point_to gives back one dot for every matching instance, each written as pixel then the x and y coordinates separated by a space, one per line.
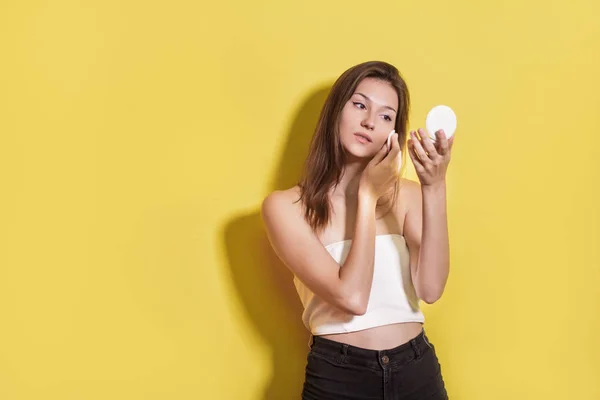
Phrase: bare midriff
pixel 381 337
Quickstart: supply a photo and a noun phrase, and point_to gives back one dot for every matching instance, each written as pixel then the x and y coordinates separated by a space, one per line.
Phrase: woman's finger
pixel 394 149
pixel 394 143
pixel 418 148
pixel 427 144
pixel 442 142
pixel 413 156
pixel 380 154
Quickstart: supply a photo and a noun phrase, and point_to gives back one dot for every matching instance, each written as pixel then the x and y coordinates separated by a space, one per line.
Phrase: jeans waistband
pixel 342 352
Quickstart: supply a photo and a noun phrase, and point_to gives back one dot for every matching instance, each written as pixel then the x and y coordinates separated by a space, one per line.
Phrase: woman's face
pixel 368 117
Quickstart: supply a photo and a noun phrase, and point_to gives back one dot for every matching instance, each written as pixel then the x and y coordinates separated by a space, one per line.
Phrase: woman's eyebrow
pixel 366 97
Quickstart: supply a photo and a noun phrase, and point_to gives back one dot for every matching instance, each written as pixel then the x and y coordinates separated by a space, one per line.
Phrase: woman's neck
pixel 350 180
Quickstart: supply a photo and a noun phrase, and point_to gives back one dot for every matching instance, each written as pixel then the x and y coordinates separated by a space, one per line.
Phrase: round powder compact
pixel 441 117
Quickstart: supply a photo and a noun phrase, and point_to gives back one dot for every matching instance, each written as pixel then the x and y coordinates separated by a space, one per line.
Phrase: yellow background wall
pixel 139 138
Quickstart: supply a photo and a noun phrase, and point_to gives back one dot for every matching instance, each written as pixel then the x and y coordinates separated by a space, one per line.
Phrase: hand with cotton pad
pixel 383 171
pixel 389 147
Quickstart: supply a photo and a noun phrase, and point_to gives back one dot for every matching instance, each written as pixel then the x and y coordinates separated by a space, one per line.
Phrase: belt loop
pixel 344 353
pixel 415 346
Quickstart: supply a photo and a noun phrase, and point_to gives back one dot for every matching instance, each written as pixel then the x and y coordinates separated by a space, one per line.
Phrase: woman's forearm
pixel 357 270
pixel 434 254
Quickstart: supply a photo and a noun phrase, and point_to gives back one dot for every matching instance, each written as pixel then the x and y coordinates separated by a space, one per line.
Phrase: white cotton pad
pixel 441 117
pixel 389 139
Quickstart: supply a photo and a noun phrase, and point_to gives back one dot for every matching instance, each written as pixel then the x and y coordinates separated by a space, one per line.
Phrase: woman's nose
pixel 368 123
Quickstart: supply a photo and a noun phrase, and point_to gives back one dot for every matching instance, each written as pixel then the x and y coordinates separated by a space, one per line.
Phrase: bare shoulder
pixel 299 248
pixel 409 186
pixel 410 193
pixel 282 203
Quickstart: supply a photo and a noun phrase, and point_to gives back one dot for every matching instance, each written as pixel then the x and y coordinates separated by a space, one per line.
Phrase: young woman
pixel 365 245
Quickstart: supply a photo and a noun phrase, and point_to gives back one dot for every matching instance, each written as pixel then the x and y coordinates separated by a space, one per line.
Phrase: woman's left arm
pixel 426 222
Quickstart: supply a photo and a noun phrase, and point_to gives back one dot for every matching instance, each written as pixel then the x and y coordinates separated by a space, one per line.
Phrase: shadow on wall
pixel 263 283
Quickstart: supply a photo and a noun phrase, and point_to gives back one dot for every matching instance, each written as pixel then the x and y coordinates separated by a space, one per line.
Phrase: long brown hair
pixel 324 165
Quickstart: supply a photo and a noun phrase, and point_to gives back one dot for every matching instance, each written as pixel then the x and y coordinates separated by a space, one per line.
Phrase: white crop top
pixel 392 299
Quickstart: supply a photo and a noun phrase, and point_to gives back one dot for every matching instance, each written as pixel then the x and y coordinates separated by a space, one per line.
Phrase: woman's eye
pixel 359 105
pixel 387 117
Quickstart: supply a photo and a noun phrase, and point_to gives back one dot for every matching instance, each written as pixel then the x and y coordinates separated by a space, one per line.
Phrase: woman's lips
pixel 362 138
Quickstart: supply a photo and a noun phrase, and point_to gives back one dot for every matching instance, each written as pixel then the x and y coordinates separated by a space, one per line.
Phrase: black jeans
pixel 339 371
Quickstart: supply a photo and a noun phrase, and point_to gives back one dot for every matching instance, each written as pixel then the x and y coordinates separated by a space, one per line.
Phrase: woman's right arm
pixel 293 240
pixel 297 246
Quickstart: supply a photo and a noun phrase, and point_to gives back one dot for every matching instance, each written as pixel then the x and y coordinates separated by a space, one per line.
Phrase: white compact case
pixel 441 117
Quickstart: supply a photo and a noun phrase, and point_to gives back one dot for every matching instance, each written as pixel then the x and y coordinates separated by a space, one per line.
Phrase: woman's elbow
pixel 431 297
pixel 355 305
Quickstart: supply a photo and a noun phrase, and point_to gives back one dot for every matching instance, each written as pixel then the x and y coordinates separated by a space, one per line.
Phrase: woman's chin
pixel 359 153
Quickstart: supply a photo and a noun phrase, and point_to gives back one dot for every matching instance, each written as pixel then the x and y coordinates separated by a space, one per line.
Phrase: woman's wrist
pixel 436 187
pixel 366 198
